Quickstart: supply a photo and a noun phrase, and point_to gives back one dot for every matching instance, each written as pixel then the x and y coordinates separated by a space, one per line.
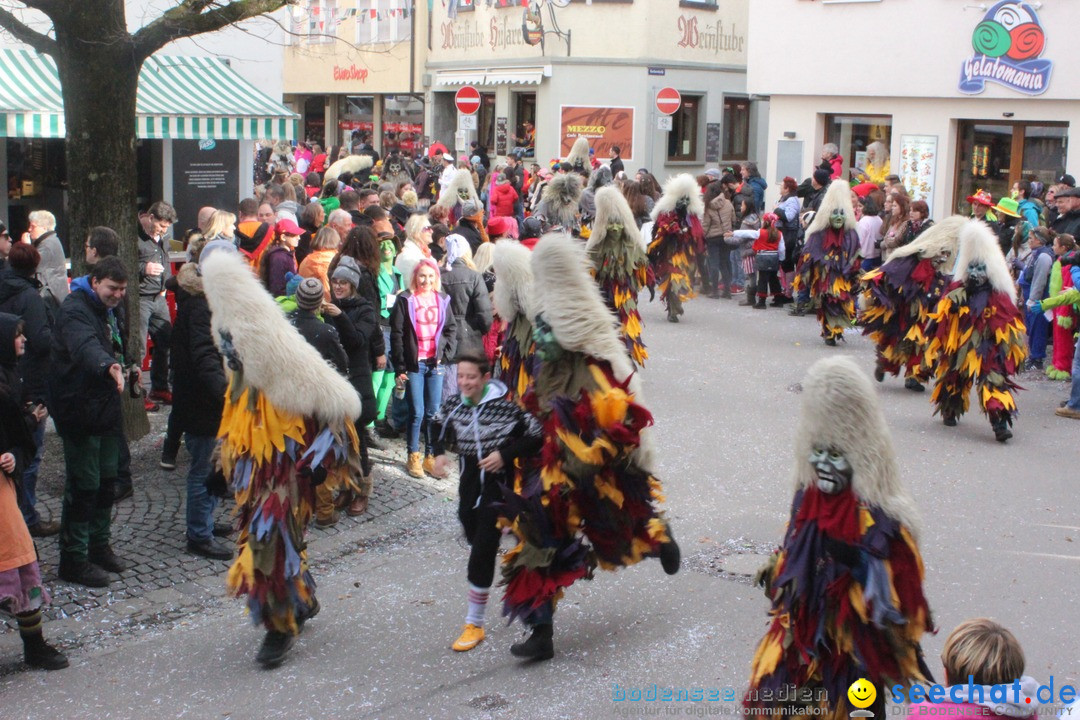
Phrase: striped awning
pixel 188 98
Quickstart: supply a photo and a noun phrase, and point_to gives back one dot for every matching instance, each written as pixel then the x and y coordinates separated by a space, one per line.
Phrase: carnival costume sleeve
pixel 287 425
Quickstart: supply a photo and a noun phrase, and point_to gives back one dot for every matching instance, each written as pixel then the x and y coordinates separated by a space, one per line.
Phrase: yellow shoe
pixel 470 638
pixel 429 465
pixel 414 467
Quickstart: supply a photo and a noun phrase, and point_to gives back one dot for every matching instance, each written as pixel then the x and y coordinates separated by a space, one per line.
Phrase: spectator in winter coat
pixel 469 302
pixel 1028 208
pixel 52 270
pixel 198 399
pixel 280 258
pixel 831 161
pixel 503 195
pixel 1068 207
pixel 718 224
pixel 19 296
pixel 752 179
pixel 154 270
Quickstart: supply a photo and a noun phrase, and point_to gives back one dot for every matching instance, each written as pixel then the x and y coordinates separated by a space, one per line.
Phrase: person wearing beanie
pixel 531 230
pixel 471 225
pixel 499 228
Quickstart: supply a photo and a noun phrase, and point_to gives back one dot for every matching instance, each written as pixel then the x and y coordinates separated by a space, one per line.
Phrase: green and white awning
pixel 180 98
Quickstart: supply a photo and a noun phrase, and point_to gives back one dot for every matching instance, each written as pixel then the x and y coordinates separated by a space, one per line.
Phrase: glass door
pixel 991 156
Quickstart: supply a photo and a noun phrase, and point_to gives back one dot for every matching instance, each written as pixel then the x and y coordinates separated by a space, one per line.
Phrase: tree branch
pixel 187 19
pixel 22 33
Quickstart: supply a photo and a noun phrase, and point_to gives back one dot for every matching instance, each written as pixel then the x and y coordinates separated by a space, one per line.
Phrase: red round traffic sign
pixel 668 101
pixel 467 100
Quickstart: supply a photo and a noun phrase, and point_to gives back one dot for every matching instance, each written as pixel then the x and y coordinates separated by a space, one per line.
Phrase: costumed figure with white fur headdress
pixel 458 195
pixel 595 499
pixel 677 240
pixel 287 427
pixel 513 303
pixel 620 266
pixel 899 296
pixel 356 165
pixel 579 157
pixel 977 335
pixel 559 205
pixel 394 170
pixel 846 585
pixel 829 266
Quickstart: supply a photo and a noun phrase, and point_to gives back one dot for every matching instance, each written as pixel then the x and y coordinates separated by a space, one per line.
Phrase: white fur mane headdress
pixel 940 239
pixel 462 180
pixel 613 209
pixel 677 188
pixel 978 243
pixel 276 359
pixel 513 293
pixel 349 164
pixel 561 199
pixel 579 154
pixel 841 411
pixel 837 197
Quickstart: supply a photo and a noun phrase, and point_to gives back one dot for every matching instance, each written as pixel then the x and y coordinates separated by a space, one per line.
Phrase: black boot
pixel 797 310
pixel 83 573
pixel 539 646
pixel 275 648
pixel 879 373
pixel 105 558
pixel 912 384
pixel 372 442
pixel 830 341
pixel 948 420
pixel 760 304
pixel 670 556
pixel 312 611
pixel 39 654
pixel 1001 428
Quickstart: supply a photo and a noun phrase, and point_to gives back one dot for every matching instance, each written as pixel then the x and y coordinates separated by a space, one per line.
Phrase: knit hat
pixel 468 209
pixel 309 295
pixel 292 281
pixel 348 270
pixel 714 173
pixel 531 228
pixel 822 176
pixel 500 225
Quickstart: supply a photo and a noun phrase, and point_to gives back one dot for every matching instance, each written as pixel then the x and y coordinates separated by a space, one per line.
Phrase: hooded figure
pixel 829 266
pixel 977 335
pixel 287 427
pixel 513 303
pixel 558 208
pixel 620 266
pixel 579 157
pixel 899 296
pixel 458 194
pixel 677 240
pixel 355 165
pixel 846 584
pixel 596 502
pixel 394 172
pixel 599 179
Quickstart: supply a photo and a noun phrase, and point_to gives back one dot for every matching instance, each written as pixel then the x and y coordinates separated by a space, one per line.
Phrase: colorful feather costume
pixel 899 296
pixel 846 585
pixel 677 240
pixel 1064 300
pixel 620 266
pixel 287 426
pixel 512 297
pixel 594 502
pixel 977 335
pixel 829 266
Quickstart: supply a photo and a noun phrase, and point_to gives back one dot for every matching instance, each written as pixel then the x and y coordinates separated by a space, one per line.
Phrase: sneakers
pixel 44 528
pixel 105 558
pixel 150 406
pixel 470 638
pixel 414 466
pixel 275 648
pixel 39 654
pixel 160 396
pixel 1067 412
pixel 539 646
pixel 83 573
pixel 209 548
pixel 167 462
pixel 1033 364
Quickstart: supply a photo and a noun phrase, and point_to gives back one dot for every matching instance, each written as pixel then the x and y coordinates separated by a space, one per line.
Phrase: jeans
pixel 200 503
pixel 154 318
pixel 1038 330
pixel 719 265
pixel 89 487
pixel 28 488
pixel 738 275
pixel 425 392
pixel 1074 395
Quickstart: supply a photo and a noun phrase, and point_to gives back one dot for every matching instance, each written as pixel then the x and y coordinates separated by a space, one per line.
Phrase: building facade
pixel 964 96
pixel 552 71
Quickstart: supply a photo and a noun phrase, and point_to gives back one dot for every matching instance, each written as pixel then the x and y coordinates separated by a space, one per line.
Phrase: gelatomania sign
pixel 1008 44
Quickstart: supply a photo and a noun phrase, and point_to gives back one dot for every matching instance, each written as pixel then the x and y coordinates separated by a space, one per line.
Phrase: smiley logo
pixel 862 693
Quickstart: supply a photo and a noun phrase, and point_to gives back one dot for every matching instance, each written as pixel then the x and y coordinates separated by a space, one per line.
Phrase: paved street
pixel 1000 538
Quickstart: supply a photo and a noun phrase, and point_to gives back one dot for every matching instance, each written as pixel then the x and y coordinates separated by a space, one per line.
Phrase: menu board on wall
pixel 604 127
pixel 712 142
pixel 206 173
pixel 918 166
pixel 500 136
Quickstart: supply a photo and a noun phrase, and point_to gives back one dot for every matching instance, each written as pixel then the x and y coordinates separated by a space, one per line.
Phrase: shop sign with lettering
pixel 1008 45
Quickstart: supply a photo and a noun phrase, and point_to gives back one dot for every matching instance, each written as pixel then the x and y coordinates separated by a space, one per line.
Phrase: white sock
pixel 478 598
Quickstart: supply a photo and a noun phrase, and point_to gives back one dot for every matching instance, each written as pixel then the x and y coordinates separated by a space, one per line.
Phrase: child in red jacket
pixel 768 249
pixel 503 196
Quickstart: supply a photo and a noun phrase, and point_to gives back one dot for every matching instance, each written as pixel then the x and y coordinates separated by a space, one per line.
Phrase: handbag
pixel 767 261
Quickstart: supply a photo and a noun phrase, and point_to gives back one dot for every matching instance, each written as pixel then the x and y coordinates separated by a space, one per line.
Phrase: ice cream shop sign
pixel 1008 46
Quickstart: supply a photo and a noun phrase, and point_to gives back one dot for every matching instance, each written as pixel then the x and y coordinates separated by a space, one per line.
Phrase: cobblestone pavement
pixel 166 582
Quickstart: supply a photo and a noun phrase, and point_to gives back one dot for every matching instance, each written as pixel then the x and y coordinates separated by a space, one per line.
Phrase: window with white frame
pixel 322 21
pixel 383 21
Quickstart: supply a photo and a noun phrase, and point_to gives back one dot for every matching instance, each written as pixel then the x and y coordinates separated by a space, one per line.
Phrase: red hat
pixel 981 197
pixel 864 189
pixel 285 226
pixel 500 225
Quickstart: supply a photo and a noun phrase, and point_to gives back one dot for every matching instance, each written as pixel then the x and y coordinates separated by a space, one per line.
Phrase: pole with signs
pixel 467 101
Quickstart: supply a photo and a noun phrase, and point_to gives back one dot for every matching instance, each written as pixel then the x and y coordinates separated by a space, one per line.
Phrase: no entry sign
pixel 467 100
pixel 668 101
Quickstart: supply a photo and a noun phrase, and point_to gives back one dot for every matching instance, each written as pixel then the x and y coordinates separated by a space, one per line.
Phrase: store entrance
pixel 524 140
pixel 992 155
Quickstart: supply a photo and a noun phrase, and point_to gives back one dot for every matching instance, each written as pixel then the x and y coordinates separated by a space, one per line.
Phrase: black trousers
pixel 479 521
pixel 154 319
pixel 768 283
pixel 719 264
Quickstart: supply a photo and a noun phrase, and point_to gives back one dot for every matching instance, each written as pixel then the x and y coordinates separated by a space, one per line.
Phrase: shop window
pixel 736 128
pixel 991 156
pixel 356 119
pixel 525 112
pixel 382 21
pixel 852 134
pixel 403 124
pixel 683 137
pixel 322 21
pixel 465 5
pixel 485 132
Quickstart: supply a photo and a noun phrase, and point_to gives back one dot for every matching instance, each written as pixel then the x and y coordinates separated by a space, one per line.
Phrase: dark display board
pixel 205 173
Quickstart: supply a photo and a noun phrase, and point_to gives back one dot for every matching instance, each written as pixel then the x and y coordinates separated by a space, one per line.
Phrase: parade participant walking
pixel 899 296
pixel 597 503
pixel 846 584
pixel 829 267
pixel 154 270
pixel 1066 313
pixel 977 335
pixel 85 382
pixel 677 240
pixel 512 298
pixel 620 266
pixel 287 427
pixel 489 433
pixel 21 591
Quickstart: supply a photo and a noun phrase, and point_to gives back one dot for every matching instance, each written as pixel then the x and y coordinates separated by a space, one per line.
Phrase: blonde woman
pixel 317 264
pixel 222 226
pixel 416 246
